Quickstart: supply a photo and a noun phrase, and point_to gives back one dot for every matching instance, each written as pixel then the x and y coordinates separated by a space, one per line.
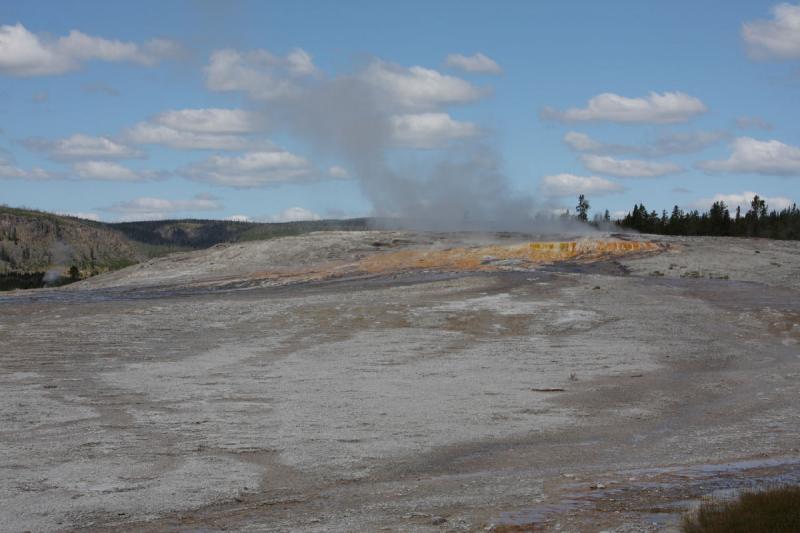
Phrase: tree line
pixel 758 221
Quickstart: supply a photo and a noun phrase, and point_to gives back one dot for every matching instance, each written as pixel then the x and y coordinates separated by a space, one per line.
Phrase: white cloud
pixel 396 89
pixel 668 144
pixel 148 208
pixel 477 63
pixel 300 63
pixel 742 200
pixel 418 88
pixel 258 73
pixel 776 38
pixel 429 130
pixel 772 158
pixel 254 169
pixel 628 168
pixel 200 129
pixel 23 53
pixel 149 133
pixel 664 108
pixel 338 172
pixel 8 170
pixel 79 146
pixel 238 218
pixel 581 142
pixel 108 171
pixel 293 214
pixel 572 185
pixel 209 120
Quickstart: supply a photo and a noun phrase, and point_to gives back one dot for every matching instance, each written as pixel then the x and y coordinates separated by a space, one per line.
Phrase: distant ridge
pixel 37 247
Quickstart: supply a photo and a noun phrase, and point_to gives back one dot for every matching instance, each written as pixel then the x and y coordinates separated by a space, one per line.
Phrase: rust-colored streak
pixel 492 257
pixel 462 259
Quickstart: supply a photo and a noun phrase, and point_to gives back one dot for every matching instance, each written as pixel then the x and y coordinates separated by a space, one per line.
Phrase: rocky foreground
pixel 285 386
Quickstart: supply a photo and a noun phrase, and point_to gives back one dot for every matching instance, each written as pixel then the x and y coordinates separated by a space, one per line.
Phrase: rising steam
pixel 462 186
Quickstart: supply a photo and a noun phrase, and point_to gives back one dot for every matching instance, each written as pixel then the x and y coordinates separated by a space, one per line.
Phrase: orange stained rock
pixel 483 257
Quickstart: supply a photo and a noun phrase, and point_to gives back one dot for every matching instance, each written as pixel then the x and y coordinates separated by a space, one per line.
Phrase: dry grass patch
pixel 771 511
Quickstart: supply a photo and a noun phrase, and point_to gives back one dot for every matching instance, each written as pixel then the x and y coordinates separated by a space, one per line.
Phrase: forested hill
pixel 37 247
pixel 33 243
pixel 194 234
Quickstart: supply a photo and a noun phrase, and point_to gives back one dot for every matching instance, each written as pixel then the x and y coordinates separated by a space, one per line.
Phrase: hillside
pixel 33 243
pixel 37 248
pixel 196 234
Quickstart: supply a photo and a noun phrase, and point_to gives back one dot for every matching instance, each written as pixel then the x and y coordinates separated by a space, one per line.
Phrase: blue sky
pixel 209 109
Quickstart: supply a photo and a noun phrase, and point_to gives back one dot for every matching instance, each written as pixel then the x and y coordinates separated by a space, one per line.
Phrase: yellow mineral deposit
pixel 492 257
pixel 460 259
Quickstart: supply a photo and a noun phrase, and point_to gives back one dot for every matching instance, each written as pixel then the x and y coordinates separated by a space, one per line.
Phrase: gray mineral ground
pixel 283 385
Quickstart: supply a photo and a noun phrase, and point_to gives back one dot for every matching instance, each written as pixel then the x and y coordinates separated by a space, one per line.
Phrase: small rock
pixel 415 515
pixel 438 520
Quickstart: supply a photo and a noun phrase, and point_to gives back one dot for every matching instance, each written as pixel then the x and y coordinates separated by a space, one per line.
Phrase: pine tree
pixel 582 208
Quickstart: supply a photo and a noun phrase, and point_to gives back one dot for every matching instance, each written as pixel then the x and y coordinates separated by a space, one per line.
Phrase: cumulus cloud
pixel 418 88
pixel 628 168
pixel 265 76
pixel 743 200
pixel 254 169
pixel 581 142
pixel 9 170
pixel 200 129
pixel 572 185
pixel 429 130
pixel 478 63
pixel 338 172
pixel 777 38
pixel 23 53
pixel 300 63
pixel 667 144
pixel 149 133
pixel 772 158
pixel 664 108
pixel 209 120
pixel 147 208
pixel 258 73
pixel 293 214
pixel 109 171
pixel 79 146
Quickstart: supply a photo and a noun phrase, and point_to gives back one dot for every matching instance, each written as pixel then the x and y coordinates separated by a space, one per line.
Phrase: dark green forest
pixel 757 221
